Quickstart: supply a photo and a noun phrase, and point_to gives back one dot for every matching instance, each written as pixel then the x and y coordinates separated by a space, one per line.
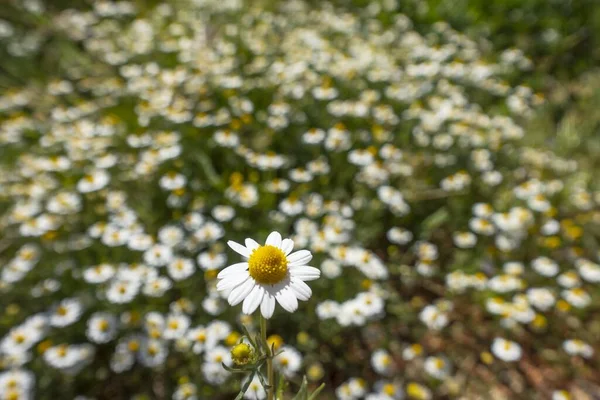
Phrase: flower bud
pixel 242 353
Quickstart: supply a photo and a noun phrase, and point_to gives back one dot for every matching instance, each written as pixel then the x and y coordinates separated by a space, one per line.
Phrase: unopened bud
pixel 242 353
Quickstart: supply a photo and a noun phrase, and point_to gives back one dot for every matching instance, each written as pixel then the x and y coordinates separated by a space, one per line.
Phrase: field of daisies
pixel 219 199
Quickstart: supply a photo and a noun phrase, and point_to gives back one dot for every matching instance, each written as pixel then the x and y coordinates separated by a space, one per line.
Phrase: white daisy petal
pixel 305 273
pixel 287 245
pixel 252 244
pixel 267 307
pixel 253 300
pixel 240 292
pixel 238 248
pixel 300 257
pixel 233 270
pixel 300 289
pixel 274 239
pixel 287 299
pixel 232 281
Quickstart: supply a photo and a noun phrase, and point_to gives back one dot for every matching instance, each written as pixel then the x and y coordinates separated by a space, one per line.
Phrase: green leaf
pixel 245 387
pixel 227 368
pixel 263 344
pixel 434 221
pixel 249 337
pixel 318 390
pixel 243 368
pixel 263 382
pixel 209 170
pixel 303 392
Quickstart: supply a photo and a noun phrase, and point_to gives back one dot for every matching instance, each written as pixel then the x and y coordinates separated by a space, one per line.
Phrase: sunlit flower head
pixel 270 272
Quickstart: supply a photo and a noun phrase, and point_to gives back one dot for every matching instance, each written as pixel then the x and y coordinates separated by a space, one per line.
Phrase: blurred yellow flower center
pixel 275 341
pixel 232 338
pixel 19 338
pixel 62 351
pixel 389 389
pixel 13 394
pixel 103 325
pixel 133 345
pixel 267 265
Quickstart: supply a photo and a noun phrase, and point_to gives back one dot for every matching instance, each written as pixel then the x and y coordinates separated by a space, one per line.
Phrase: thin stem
pixel 270 375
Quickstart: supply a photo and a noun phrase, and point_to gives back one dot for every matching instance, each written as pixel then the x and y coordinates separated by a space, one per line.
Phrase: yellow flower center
pixel 19 338
pixel 315 372
pixel 389 389
pixel 103 325
pixel 13 395
pixel 241 353
pixel 275 341
pixel 232 338
pixel 415 390
pixel 201 337
pixel 417 348
pixel 62 351
pixel 267 265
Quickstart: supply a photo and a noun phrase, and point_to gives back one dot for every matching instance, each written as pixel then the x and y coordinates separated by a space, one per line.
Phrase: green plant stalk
pixel 270 375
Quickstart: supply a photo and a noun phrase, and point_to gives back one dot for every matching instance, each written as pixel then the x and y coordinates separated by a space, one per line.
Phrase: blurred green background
pixel 561 37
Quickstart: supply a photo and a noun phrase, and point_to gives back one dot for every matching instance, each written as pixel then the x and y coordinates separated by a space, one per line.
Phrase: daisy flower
pixel 506 350
pixel 268 273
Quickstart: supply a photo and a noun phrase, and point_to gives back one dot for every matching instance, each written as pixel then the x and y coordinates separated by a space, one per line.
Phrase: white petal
pixel 253 300
pixel 240 292
pixel 300 257
pixel 251 244
pixel 233 270
pixel 287 245
pixel 232 281
pixel 305 273
pixel 300 289
pixel 274 239
pixel 238 248
pixel 268 305
pixel 287 299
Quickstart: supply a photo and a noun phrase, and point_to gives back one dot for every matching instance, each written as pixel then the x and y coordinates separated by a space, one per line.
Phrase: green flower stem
pixel 270 375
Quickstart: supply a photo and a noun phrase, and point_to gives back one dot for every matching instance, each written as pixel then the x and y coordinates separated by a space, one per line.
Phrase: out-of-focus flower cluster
pixel 454 257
